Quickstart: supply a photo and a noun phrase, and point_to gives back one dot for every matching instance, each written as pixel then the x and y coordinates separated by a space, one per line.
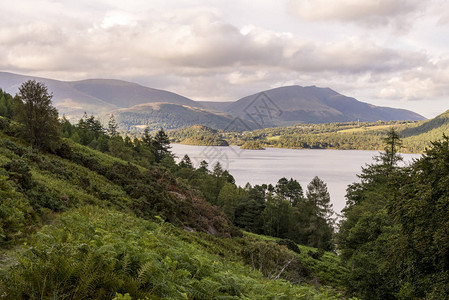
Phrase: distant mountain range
pixel 136 106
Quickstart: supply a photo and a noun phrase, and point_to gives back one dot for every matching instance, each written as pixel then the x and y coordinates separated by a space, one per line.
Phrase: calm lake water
pixel 337 168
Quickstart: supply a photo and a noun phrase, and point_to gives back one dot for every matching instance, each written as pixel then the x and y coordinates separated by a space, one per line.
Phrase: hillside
pixel 198 136
pixel 295 104
pixel 170 116
pixel 120 219
pixel 102 234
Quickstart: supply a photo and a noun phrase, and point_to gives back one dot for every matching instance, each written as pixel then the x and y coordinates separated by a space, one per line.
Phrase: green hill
pixel 197 135
pixel 170 116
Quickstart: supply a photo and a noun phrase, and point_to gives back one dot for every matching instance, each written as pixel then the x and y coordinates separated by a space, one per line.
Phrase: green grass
pixel 365 128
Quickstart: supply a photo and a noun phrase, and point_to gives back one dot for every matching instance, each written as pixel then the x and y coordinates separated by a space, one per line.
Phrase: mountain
pixel 136 106
pixel 295 104
pixel 95 96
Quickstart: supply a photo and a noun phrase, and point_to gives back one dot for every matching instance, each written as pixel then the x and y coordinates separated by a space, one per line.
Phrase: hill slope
pixel 105 233
pixel 172 116
pixel 296 104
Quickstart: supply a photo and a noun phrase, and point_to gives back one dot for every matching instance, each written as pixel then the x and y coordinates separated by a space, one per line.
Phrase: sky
pixel 385 52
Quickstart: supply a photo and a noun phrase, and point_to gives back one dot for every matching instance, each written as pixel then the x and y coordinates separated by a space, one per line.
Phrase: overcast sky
pixel 385 52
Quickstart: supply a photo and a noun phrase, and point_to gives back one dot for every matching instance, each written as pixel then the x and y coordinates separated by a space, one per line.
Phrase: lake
pixel 337 168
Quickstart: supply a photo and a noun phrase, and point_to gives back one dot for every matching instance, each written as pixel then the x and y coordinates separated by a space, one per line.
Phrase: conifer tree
pixel 161 145
pixel 112 126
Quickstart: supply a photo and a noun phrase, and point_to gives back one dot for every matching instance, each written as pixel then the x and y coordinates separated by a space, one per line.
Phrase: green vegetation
pixel 394 233
pixel 94 253
pixel 106 217
pixel 198 136
pixel 344 136
pixel 102 216
pixel 252 145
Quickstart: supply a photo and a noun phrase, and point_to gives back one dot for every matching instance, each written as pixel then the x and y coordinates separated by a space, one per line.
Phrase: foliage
pixel 394 233
pixel 15 212
pixel 95 253
pixel 197 135
pixel 39 117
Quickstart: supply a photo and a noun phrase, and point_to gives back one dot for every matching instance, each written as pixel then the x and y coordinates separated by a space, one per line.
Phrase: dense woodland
pixel 87 213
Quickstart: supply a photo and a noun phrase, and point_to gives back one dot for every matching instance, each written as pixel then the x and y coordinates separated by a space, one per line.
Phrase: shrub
pixel 290 245
pixel 15 212
pixel 19 172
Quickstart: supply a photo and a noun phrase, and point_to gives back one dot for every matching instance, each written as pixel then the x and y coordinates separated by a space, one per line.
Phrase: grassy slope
pixel 95 212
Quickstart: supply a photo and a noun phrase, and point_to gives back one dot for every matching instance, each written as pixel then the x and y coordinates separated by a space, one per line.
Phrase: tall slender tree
pixel 161 145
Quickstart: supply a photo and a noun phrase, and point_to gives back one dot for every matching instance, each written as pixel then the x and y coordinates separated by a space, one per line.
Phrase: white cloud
pixel 398 14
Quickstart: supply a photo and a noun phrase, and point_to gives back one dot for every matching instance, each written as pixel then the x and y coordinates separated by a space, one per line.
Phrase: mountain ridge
pixel 281 106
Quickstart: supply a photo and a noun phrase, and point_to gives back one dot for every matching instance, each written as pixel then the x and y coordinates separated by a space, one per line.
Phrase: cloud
pixel 371 13
pixel 200 53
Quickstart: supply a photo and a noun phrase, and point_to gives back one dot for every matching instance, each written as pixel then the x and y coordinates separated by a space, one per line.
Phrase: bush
pixel 290 245
pixel 15 212
pixel 19 172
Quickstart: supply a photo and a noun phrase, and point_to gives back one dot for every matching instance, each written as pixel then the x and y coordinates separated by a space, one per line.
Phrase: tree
pixel 290 190
pixel 146 138
pixel 112 126
pixel 39 117
pixel 161 145
pixel 186 162
pixel 321 214
pixel 367 227
pixel 319 197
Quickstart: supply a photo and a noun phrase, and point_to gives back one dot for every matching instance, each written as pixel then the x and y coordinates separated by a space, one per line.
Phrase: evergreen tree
pixel 39 117
pixel 3 106
pixel 318 196
pixel 146 138
pixel 204 167
pixel 112 126
pixel 161 145
pixel 67 127
pixel 186 162
pixel 321 215
pixel 290 190
pixel 218 170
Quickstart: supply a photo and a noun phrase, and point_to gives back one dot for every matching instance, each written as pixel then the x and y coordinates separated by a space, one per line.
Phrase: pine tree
pixel 321 214
pixel 112 126
pixel 161 145
pixel 186 162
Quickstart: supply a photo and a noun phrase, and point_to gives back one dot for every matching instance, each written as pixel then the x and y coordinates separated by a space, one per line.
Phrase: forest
pixel 86 213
